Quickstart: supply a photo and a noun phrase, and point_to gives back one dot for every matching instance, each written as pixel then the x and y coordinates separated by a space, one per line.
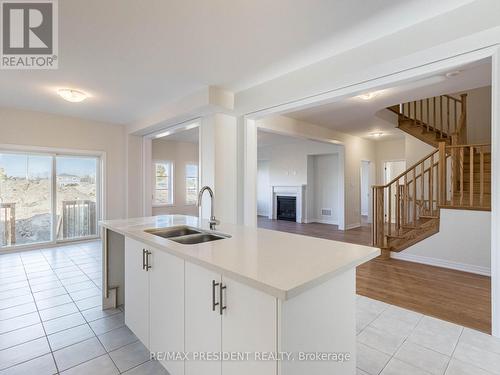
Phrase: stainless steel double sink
pixel 187 235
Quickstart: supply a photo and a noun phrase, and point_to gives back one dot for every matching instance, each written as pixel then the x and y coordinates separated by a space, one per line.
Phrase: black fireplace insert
pixel 286 208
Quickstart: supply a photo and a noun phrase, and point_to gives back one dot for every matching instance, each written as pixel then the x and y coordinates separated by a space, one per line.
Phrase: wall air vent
pixel 326 212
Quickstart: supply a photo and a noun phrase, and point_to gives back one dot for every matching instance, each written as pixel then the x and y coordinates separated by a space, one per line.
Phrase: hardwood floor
pixel 455 296
pixel 361 235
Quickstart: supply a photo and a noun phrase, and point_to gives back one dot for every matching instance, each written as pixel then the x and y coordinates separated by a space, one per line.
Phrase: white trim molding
pixel 485 271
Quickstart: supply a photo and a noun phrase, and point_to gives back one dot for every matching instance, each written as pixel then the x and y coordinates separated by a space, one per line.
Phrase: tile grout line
pixel 80 311
pixel 39 317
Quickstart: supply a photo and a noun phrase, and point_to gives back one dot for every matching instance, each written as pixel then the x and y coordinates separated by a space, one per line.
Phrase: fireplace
pixel 286 208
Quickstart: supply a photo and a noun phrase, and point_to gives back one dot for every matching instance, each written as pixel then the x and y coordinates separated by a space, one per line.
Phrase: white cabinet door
pixel 203 325
pixel 136 291
pixel 166 278
pixel 249 324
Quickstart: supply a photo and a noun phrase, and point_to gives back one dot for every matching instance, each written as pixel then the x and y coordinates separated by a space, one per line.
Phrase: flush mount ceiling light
pixel 453 74
pixel 376 134
pixel 370 95
pixel 73 96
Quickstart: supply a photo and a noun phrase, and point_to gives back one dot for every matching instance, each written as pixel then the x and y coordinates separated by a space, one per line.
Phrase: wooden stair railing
pixel 406 210
pixel 433 120
pixel 401 204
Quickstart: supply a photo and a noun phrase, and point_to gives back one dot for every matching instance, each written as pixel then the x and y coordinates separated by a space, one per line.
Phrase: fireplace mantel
pixel 298 191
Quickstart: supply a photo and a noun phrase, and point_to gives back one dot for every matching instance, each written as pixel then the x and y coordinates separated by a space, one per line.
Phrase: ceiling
pixel 133 57
pixel 187 136
pixel 364 117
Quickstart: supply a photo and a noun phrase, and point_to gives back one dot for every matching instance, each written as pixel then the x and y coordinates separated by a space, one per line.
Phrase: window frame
pixel 186 203
pixel 171 196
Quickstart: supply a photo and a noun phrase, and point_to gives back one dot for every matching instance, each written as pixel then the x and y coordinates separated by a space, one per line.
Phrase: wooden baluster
pixel 422 195
pixel 448 115
pixel 481 178
pixel 442 173
pixel 415 196
pixel 389 215
pixel 434 112
pixel 461 176
pixel 428 115
pixel 471 175
pixel 431 186
pixel 441 113
pixel 422 111
pixel 455 120
pixel 405 203
pixel 414 113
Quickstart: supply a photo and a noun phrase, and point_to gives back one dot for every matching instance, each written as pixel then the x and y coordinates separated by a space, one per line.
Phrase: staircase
pixel 456 175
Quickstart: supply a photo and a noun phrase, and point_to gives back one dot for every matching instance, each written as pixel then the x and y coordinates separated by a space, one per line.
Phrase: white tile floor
pixel 51 322
pixel 395 341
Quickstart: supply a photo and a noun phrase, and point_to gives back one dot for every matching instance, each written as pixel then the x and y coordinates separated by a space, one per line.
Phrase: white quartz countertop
pixel 278 263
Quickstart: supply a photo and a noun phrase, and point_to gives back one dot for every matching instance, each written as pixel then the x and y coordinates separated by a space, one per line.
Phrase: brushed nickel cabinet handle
pixel 222 307
pixel 143 259
pixel 214 285
pixel 148 266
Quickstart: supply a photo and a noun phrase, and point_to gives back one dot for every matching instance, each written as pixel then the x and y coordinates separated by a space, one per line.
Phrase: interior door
pixel 249 324
pixel 136 291
pixel 166 278
pixel 203 324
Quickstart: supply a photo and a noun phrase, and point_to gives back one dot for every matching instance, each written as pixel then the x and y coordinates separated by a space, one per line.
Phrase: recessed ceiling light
pixel 453 74
pixel 370 95
pixel 376 134
pixel 74 96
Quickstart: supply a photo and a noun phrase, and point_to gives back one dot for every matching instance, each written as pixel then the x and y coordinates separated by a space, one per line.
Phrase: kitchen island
pixel 249 301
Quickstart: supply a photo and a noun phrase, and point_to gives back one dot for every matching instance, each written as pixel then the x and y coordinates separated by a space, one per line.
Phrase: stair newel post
pixel 389 210
pixel 431 186
pixel 414 196
pixel 422 180
pixel 481 177
pixel 462 164
pixel 378 233
pixel 471 176
pixel 442 173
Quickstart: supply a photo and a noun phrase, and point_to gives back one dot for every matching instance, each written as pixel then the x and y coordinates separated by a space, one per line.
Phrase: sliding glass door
pixel 25 199
pixel 48 197
pixel 76 192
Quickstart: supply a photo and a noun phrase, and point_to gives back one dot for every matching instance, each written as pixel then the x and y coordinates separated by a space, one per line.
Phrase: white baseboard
pixel 485 271
pixel 321 221
pixel 352 226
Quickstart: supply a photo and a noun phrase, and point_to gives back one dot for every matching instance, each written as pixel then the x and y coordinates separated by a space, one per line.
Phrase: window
pixel 191 184
pixel 162 184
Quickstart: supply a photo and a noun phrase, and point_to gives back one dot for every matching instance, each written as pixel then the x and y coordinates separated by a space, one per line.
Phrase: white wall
pixel 291 164
pixel 479 115
pixel 30 128
pixel 180 153
pixel 365 187
pixel 325 189
pixel 463 243
pixel 355 150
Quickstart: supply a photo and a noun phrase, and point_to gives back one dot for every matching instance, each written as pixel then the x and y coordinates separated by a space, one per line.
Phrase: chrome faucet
pixel 213 221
